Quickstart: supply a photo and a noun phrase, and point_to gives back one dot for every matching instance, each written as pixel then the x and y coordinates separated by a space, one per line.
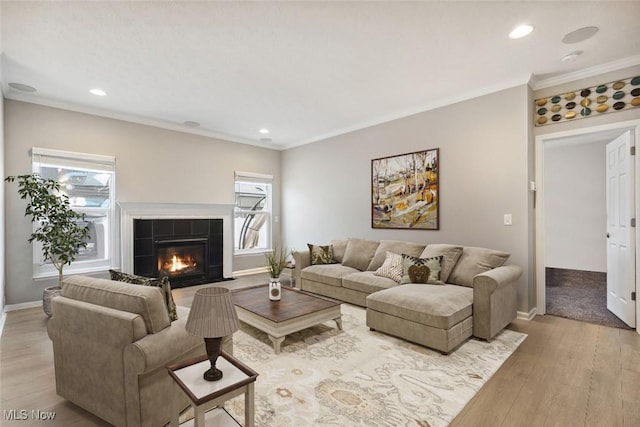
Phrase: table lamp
pixel 212 316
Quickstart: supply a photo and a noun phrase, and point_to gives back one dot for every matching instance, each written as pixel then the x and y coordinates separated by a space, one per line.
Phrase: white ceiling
pixel 304 70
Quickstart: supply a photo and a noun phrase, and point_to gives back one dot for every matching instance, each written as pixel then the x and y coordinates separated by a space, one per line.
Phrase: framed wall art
pixel 405 192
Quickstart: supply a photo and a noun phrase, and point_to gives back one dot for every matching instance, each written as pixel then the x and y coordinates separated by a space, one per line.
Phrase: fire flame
pixel 177 264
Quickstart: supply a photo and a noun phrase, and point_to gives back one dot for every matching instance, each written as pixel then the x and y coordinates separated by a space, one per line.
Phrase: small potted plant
pixel 276 263
pixel 57 226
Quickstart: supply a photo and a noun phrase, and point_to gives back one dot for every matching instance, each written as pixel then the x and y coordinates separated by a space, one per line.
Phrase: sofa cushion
pixel 421 270
pixel 391 268
pixel 359 253
pixel 367 282
pixel 450 255
pixel 474 261
pixel 339 247
pixel 321 254
pixel 162 283
pixel 330 274
pixel 395 246
pixel 439 306
pixel 147 301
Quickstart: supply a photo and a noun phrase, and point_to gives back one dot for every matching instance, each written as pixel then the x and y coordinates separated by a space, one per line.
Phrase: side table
pixel 207 395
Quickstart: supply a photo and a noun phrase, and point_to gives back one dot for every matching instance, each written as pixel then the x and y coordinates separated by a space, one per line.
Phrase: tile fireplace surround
pixel 131 211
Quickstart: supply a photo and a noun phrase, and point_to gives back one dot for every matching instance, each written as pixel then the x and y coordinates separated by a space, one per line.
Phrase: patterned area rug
pixel 327 377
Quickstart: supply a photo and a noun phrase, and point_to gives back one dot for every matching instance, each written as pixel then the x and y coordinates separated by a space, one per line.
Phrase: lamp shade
pixel 212 314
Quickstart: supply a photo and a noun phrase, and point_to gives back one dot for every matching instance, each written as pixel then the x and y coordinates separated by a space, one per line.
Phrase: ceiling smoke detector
pixel 580 35
pixel 191 124
pixel 571 56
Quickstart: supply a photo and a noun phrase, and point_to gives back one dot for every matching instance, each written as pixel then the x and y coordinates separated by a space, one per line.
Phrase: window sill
pixel 250 252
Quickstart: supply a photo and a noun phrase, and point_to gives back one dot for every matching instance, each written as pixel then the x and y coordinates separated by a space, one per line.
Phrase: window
pixel 252 215
pixel 88 180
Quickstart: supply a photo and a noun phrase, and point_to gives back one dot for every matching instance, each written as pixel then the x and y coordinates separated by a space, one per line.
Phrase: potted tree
pixel 56 226
pixel 276 263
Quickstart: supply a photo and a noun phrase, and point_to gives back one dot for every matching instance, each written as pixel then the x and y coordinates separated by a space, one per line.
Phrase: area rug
pixel 327 377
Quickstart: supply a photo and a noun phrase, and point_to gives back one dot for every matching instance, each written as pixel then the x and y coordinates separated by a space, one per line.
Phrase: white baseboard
pixel 3 317
pixel 250 271
pixel 527 316
pixel 22 305
pixel 13 307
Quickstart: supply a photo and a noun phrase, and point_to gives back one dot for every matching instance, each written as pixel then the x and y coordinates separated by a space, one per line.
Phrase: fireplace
pixel 182 258
pixel 188 251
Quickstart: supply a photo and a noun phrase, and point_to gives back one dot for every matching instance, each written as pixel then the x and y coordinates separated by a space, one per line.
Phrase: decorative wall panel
pixel 588 102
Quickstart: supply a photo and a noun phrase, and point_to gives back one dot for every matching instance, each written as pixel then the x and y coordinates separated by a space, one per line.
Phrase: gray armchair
pixel 112 342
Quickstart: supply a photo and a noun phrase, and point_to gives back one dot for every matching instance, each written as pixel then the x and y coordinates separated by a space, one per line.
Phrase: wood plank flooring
pixel 566 373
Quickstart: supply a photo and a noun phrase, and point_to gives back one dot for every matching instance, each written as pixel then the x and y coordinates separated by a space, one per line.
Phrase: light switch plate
pixel 508 219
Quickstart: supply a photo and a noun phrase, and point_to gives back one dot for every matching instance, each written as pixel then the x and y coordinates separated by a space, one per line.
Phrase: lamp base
pixel 214 347
pixel 213 374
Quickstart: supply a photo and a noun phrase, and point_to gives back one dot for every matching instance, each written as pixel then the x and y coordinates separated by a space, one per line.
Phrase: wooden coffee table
pixel 296 310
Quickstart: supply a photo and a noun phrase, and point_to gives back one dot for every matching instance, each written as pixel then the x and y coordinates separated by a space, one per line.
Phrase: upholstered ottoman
pixel 436 316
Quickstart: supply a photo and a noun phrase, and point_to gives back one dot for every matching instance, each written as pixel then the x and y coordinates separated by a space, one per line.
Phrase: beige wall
pixel 485 160
pixel 152 165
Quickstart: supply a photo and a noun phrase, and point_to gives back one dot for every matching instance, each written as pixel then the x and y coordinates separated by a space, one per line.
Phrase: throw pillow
pixel 321 254
pixel 395 246
pixel 359 253
pixel 391 268
pixel 339 247
pixel 450 254
pixel 473 261
pixel 162 283
pixel 421 270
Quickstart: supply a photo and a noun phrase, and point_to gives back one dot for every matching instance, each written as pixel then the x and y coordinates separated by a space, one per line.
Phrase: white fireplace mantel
pixel 130 211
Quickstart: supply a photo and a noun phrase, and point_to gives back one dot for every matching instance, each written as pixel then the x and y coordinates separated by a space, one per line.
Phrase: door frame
pixel 540 141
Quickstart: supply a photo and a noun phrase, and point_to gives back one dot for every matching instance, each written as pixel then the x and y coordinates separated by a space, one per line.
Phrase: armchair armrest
pixel 494 300
pixel 159 349
pixel 302 259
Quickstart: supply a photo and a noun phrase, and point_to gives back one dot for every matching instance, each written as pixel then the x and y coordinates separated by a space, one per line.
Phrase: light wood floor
pixel 566 373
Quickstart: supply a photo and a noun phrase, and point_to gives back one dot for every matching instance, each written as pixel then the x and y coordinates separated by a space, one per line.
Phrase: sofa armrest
pixel 302 259
pixel 495 300
pixel 490 280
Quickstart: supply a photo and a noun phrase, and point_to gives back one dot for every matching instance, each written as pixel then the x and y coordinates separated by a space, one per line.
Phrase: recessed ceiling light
pixel 191 124
pixel 264 131
pixel 21 87
pixel 98 92
pixel 520 31
pixel 580 35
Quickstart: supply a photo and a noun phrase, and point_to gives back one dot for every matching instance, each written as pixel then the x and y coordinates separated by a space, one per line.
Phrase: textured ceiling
pixel 304 70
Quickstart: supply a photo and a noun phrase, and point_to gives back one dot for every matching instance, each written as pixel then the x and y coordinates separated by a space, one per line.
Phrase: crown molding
pixel 10 94
pixel 442 102
pixel 630 61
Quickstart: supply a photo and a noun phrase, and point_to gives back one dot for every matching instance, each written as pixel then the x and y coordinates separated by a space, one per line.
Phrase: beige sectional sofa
pixel 112 342
pixel 475 293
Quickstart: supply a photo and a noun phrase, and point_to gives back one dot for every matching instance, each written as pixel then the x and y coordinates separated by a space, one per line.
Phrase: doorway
pixel 571 215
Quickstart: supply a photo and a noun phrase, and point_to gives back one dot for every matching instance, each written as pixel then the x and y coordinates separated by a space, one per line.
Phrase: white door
pixel 620 233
